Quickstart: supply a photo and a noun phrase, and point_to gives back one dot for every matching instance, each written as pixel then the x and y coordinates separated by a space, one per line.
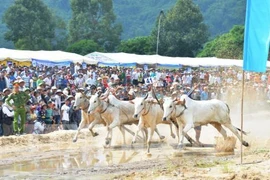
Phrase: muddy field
pixel 55 156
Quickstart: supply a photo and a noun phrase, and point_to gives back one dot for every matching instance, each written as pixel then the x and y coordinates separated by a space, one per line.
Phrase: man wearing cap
pixel 40 80
pixel 26 78
pixel 58 98
pixel 19 101
pixel 79 81
pixel 21 84
pixel 7 117
pixel 6 92
pixel 48 80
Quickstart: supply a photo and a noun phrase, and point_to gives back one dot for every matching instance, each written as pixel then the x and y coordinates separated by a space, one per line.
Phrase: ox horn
pixel 99 93
pixel 146 96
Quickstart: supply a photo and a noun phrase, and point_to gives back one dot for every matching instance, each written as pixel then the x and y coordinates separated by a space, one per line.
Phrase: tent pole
pixel 242 114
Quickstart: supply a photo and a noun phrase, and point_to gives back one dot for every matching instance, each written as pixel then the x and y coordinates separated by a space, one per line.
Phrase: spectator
pixel 32 117
pixel 74 117
pixel 8 116
pixel 204 94
pixel 65 114
pixel 39 127
pixel 19 101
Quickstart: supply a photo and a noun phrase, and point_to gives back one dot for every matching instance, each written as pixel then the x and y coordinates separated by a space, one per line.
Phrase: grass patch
pixel 226 168
pixel 258 151
pixel 208 164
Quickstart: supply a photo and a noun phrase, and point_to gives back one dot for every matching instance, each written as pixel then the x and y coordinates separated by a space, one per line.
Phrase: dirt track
pixel 55 156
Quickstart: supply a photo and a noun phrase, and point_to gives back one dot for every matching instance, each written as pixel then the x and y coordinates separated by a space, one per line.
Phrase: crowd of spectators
pixel 52 89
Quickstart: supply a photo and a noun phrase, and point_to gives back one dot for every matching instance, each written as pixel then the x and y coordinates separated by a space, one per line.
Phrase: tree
pixel 138 45
pixel 30 25
pixel 182 31
pixel 84 47
pixel 222 15
pixel 229 45
pixel 95 20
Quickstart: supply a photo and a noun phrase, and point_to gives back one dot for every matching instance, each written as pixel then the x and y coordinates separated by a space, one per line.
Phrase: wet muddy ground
pixel 55 156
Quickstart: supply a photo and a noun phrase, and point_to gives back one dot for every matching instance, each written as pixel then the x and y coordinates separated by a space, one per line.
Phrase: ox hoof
pixel 74 140
pixel 180 146
pixel 107 141
pixel 95 134
pixel 245 143
pixel 148 154
pixel 133 142
pixel 173 136
pixel 162 137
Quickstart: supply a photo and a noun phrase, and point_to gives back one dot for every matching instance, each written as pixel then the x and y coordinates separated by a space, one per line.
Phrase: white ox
pixel 149 114
pixel 115 113
pixel 190 113
pixel 82 102
pixel 114 116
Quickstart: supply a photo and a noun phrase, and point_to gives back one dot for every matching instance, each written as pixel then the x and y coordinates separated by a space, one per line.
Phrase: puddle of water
pixel 97 157
pixel 73 161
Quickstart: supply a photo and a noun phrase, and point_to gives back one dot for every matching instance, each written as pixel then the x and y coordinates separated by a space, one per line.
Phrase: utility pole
pixel 159 20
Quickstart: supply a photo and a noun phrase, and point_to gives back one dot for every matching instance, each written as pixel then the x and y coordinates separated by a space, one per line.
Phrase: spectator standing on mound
pixel 7 117
pixel 19 101
pixel 65 114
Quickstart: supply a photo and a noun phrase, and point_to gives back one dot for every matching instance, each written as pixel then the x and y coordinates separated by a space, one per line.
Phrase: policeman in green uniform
pixel 19 101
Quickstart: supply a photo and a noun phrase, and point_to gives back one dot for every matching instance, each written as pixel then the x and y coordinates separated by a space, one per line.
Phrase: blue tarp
pixel 257 35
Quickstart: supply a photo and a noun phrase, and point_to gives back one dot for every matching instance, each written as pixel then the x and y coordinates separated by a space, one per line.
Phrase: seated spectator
pixel 39 127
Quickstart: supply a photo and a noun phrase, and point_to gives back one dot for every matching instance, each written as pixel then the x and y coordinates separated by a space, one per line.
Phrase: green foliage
pixel 222 15
pixel 138 17
pixel 30 25
pixel 182 31
pixel 138 45
pixel 94 19
pixel 84 47
pixel 229 45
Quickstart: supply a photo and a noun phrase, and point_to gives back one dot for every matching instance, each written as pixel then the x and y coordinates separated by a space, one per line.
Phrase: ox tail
pixel 245 133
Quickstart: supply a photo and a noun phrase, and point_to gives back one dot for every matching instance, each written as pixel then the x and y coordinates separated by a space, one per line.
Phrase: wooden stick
pixel 132 133
pixel 242 114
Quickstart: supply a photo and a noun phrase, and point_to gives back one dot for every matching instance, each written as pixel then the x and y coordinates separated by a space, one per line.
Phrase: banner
pixel 38 62
pixel 257 35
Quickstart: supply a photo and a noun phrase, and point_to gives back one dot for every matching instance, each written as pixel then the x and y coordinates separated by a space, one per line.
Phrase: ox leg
pixel 160 136
pixel 180 135
pixel 123 134
pixel 172 134
pixel 234 130
pixel 184 132
pixel 109 137
pixel 139 128
pixel 82 124
pixel 145 131
pixel 220 129
pixel 198 130
pixel 149 140
pixel 91 126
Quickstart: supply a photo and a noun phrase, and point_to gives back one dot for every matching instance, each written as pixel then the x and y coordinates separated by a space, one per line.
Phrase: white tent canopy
pixel 131 59
pixel 53 56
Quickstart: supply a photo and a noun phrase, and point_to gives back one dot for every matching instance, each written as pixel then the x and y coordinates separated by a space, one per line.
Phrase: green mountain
pixel 139 16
